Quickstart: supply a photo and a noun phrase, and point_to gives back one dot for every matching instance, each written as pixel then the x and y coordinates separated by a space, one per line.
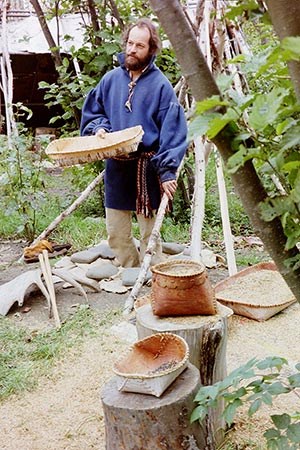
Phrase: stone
pixel 113 286
pixel 129 276
pixel 91 254
pixel 104 269
pixel 64 263
pixel 172 248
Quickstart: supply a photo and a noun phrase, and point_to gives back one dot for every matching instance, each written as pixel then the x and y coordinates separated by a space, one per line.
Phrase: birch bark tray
pixel 258 292
pixel 152 364
pixel 84 149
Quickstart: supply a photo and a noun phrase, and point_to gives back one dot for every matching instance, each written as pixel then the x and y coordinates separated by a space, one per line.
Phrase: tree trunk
pixel 246 180
pixel 94 19
pixel 47 33
pixel 285 17
pixel 143 422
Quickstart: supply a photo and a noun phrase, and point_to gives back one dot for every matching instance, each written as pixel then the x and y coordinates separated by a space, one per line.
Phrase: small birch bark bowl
pixel 152 364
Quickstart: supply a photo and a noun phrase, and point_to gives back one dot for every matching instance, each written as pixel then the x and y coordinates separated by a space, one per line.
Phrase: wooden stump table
pixel 207 339
pixel 144 422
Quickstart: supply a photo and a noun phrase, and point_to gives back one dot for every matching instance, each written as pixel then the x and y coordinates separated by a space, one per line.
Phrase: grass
pixel 26 355
pixel 250 256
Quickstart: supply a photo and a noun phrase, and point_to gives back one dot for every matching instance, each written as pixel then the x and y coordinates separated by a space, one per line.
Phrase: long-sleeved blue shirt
pixel 155 107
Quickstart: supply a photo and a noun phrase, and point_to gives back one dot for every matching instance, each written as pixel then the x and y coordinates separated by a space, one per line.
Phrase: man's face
pixel 137 54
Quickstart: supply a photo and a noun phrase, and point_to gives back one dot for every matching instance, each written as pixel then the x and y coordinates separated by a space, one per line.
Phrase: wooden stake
pixel 46 270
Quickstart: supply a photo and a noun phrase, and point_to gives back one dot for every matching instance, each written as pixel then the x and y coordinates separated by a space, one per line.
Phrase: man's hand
pixel 101 133
pixel 169 188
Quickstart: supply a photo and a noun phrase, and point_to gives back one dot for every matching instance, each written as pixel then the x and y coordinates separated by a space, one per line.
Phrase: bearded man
pixel 137 93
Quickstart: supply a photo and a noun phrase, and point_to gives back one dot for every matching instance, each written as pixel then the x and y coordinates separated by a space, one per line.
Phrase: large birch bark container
pixel 181 287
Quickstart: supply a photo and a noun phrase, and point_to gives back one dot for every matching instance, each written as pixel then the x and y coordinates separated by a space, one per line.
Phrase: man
pixel 137 93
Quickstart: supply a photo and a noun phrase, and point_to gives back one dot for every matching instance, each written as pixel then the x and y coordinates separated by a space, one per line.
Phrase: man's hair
pixel 154 41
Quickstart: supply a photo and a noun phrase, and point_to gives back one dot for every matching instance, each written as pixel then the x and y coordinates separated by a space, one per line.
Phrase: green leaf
pixel 254 407
pixel 294 380
pixel 277 388
pixel 209 103
pixel 292 44
pixel 271 433
pixel 239 158
pixel 200 125
pixel 218 123
pixel 267 398
pixel 198 413
pixel 285 125
pixel 230 410
pixel 291 138
pixel 271 362
pixel 266 109
pixel 293 432
pixel 281 421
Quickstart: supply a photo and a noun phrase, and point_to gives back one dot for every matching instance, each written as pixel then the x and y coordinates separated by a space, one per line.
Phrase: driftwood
pixel 140 421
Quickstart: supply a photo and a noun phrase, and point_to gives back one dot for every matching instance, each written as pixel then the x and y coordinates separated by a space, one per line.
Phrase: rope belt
pixel 143 205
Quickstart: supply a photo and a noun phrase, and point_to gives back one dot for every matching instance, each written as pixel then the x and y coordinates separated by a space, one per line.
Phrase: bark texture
pixel 47 33
pixel 246 180
pixel 285 17
pixel 207 339
pixel 143 422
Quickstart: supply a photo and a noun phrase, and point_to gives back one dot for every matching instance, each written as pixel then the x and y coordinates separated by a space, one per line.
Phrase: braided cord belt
pixel 143 205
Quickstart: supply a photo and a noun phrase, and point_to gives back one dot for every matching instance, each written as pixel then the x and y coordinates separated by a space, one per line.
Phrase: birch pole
pixel 71 208
pixel 7 79
pixel 199 194
pixel 155 234
pixel 198 204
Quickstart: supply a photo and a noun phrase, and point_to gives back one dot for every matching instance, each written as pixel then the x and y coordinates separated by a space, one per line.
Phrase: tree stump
pixel 207 339
pixel 143 422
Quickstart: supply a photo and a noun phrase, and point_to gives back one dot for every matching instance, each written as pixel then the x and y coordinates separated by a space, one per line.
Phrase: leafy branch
pixel 265 382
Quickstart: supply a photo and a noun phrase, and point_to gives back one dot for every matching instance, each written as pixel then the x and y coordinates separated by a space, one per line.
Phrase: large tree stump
pixel 195 330
pixel 143 422
pixel 207 339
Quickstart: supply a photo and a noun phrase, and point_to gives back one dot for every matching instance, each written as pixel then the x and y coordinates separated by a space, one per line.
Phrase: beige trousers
pixel 120 239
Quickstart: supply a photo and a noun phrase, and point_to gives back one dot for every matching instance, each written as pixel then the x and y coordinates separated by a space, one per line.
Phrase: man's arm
pixel 93 118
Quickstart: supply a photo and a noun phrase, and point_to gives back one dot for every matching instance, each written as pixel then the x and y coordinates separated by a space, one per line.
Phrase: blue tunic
pixel 155 107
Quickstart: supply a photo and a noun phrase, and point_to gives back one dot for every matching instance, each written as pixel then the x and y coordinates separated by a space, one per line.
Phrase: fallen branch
pixel 155 234
pixel 70 209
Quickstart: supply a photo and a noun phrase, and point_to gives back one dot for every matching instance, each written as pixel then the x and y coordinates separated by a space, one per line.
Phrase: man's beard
pixel 134 63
